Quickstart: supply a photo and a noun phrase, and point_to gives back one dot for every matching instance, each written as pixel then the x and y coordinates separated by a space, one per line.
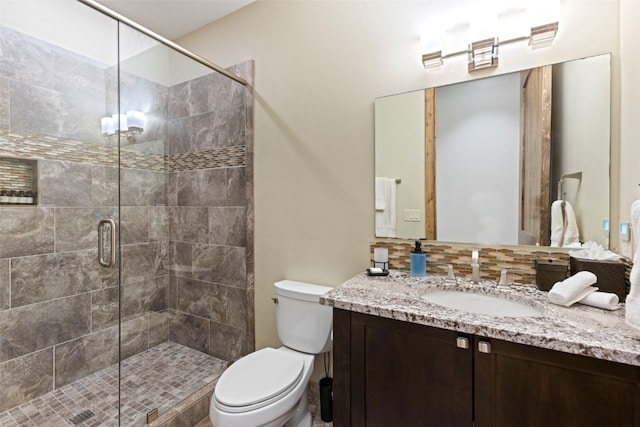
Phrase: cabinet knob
pixel 484 347
pixel 462 342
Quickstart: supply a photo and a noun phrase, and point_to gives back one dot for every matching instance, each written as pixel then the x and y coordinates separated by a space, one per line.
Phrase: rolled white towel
pixel 573 288
pixel 604 300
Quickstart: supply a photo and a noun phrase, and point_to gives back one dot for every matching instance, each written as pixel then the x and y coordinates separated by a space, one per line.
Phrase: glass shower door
pixel 59 297
pixel 123 220
pixel 173 297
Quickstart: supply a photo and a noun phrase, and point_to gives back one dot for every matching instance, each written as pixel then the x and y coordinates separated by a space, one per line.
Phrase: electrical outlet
pixel 625 231
pixel 412 215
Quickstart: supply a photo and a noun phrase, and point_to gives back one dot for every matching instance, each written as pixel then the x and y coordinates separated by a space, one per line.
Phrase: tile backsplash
pixel 518 261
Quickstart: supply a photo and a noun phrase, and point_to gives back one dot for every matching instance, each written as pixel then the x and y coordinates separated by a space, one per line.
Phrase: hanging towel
pixel 573 289
pixel 604 300
pixel 632 302
pixel 564 228
pixel 381 203
pixel 634 275
pixel 385 207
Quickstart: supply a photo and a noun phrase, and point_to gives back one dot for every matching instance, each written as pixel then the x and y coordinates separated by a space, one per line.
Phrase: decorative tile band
pixel 35 146
pixel 519 262
pixel 218 158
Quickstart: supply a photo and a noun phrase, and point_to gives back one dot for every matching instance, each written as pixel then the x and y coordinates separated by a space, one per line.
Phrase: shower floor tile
pixel 157 378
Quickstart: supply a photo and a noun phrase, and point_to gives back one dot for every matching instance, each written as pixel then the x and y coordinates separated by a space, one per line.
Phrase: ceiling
pixel 174 18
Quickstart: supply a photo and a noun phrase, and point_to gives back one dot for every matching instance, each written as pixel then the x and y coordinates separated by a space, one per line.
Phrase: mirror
pixel 490 161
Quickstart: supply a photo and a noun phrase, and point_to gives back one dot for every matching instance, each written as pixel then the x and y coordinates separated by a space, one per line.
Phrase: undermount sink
pixel 481 304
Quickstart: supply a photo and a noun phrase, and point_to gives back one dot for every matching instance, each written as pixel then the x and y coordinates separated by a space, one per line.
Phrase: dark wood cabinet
pixel 519 385
pixel 393 373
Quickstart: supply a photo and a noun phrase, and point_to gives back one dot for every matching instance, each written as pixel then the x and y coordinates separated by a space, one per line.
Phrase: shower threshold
pixel 160 377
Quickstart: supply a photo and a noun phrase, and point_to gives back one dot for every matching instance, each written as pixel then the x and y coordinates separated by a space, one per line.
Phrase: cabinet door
pixel 404 374
pixel 519 385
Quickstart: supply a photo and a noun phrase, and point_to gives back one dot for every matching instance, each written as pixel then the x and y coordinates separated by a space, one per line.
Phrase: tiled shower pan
pixel 160 377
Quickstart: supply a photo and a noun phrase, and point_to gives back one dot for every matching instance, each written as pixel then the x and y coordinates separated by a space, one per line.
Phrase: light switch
pixel 412 215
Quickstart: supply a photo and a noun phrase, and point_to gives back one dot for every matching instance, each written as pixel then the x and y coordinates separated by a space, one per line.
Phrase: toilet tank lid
pixel 301 290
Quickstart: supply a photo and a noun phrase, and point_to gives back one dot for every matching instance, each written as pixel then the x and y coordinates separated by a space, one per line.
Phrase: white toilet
pixel 269 387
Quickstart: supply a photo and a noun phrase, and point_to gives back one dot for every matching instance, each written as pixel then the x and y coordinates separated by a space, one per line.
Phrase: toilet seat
pixel 257 380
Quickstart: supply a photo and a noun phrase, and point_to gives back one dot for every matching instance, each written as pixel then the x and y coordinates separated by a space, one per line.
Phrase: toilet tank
pixel 303 324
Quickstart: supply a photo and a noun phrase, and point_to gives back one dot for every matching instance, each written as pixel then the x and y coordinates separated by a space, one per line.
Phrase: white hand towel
pixel 564 228
pixel 604 300
pixel 573 288
pixel 632 303
pixel 386 218
pixel 634 275
pixel 381 203
pixel 632 311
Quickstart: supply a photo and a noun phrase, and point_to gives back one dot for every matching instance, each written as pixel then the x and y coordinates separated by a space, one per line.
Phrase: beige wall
pixel 319 66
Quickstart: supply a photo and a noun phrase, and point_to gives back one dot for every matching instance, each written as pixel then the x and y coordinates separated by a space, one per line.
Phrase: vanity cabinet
pixel 394 373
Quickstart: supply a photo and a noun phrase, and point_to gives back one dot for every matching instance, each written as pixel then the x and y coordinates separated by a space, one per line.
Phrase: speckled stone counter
pixel 578 329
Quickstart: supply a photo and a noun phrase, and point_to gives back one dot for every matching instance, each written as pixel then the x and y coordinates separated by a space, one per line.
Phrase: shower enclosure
pixel 125 217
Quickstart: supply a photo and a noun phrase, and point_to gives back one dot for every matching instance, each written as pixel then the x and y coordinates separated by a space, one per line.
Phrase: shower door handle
pixel 102 225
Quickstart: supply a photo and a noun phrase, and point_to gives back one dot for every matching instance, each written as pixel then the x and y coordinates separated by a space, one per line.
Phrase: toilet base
pixel 301 417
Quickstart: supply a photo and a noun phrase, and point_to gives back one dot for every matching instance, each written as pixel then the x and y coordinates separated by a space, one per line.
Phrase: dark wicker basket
pixel 548 273
pixel 610 274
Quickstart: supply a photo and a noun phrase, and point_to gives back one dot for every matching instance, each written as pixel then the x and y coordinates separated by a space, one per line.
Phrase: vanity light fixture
pixel 543 35
pixel 129 125
pixel 432 61
pixel 483 54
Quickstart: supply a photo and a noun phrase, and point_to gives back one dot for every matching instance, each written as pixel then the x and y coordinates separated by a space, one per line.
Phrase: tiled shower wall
pixel 58 308
pixel 207 198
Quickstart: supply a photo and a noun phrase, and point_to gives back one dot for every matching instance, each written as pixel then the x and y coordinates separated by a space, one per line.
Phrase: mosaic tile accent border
pixel 224 157
pixel 34 146
pixel 520 262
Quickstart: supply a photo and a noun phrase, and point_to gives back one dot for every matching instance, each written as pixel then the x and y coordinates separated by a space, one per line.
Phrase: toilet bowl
pixel 269 387
pixel 263 389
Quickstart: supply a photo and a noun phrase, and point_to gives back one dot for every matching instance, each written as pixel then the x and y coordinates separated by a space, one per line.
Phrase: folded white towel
pixel 604 300
pixel 593 250
pixel 564 228
pixel 573 289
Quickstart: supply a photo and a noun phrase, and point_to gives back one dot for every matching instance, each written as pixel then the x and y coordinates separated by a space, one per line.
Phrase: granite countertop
pixel 578 329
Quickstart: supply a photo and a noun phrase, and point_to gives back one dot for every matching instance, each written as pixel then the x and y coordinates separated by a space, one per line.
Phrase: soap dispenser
pixel 418 261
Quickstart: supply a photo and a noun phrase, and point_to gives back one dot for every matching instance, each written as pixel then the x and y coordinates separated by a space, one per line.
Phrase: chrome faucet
pixel 504 281
pixel 451 276
pixel 475 267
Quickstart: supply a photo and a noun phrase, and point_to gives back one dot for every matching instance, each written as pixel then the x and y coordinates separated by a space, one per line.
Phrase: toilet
pixel 269 387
